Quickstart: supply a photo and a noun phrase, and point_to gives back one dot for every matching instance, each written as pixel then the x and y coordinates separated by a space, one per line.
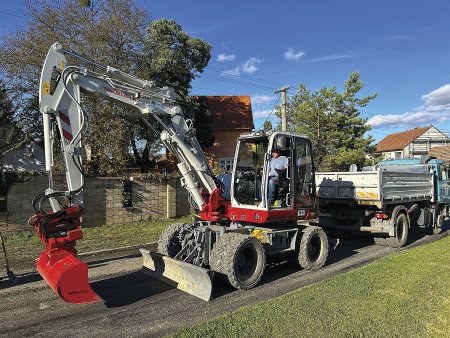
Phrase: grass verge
pixel 406 294
pixel 23 248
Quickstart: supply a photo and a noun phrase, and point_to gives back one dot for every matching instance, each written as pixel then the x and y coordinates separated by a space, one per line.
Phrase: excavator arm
pixel 61 88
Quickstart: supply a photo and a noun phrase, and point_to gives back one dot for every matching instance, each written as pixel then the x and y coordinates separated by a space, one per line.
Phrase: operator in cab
pixel 278 166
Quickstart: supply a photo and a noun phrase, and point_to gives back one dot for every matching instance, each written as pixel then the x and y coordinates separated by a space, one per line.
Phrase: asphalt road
pixel 137 306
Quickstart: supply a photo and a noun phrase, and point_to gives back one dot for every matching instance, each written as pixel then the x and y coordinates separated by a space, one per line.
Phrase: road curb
pixel 150 246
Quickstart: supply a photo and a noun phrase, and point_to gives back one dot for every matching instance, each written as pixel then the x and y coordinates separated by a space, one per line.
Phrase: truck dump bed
pixel 381 186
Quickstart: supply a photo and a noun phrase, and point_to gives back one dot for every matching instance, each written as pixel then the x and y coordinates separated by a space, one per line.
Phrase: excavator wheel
pixel 312 249
pixel 238 258
pixel 169 243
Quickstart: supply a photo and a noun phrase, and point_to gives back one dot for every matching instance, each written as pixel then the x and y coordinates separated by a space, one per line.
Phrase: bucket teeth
pixel 184 276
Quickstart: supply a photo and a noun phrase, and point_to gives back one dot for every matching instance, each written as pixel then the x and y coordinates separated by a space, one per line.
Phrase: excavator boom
pixel 61 86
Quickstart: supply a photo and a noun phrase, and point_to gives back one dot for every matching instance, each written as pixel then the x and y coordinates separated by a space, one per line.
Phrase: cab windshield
pixel 249 170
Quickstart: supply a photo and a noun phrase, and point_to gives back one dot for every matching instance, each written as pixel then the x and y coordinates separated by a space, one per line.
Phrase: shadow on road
pixel 128 289
pixel 24 278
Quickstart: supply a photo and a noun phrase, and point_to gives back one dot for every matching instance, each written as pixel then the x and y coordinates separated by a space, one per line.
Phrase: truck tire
pixel 312 250
pixel 381 241
pixel 437 229
pixel 238 258
pixel 401 232
pixel 169 244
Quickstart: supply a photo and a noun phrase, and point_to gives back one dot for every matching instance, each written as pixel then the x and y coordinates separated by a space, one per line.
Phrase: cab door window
pixel 304 174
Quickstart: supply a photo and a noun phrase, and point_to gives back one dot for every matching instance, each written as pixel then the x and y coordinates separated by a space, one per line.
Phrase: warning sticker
pixel 45 88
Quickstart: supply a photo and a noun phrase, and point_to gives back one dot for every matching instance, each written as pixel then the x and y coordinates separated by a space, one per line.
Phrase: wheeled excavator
pixel 235 226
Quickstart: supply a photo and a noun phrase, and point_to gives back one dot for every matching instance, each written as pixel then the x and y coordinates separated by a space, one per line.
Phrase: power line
pixel 251 78
pixel 273 109
pixel 237 82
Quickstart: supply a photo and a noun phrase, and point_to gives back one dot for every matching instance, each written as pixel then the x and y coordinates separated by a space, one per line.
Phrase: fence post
pixel 171 205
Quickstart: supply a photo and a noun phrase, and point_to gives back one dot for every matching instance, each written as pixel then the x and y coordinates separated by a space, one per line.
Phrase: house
pixel 231 117
pixel 411 143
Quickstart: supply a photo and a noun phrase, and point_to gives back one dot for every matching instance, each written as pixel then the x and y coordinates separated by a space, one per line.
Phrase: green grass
pixel 25 247
pixel 406 294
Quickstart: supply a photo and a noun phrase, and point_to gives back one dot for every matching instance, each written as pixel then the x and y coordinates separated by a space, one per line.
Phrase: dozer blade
pixel 184 276
pixel 67 276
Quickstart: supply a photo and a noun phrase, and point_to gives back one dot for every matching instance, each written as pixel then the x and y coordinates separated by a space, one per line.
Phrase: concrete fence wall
pixel 103 201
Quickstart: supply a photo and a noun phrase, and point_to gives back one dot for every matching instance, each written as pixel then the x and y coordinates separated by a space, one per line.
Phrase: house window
pixel 398 154
pixel 226 163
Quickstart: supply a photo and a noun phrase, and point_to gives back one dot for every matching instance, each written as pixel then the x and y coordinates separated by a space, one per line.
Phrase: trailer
pixel 385 200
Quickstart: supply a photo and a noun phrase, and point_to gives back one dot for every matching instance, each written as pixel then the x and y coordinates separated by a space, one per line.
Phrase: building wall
pixel 420 146
pixel 151 199
pixel 224 146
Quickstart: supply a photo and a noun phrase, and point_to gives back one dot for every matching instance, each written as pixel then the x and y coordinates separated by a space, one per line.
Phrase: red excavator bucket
pixel 58 264
pixel 67 276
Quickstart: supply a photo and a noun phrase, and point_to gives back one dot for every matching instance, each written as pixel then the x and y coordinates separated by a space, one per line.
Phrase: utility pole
pixel 283 91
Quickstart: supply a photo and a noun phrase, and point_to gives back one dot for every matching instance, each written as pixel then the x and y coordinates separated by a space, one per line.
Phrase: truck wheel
pixel 401 232
pixel 437 227
pixel 313 248
pixel 239 258
pixel 169 243
pixel 381 241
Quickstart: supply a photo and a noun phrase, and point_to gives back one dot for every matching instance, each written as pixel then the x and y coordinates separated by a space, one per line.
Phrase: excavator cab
pixel 294 185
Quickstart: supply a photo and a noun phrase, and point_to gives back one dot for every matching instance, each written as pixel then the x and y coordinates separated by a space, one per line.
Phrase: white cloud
pixel 251 65
pixel 436 109
pixel 413 119
pixel 399 38
pixel 261 114
pixel 330 58
pixel 290 55
pixel 261 99
pixel 225 57
pixel 231 72
pixel 438 97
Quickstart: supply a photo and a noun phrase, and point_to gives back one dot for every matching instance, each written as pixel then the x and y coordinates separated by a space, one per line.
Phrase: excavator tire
pixel 313 248
pixel 238 258
pixel 169 244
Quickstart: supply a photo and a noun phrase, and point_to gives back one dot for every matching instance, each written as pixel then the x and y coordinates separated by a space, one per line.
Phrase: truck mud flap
pixel 67 276
pixel 184 276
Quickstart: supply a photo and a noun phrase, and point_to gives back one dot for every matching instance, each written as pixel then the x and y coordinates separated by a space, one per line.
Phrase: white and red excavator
pixel 233 231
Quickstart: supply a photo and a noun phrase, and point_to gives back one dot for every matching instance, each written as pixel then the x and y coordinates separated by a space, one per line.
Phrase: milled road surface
pixel 137 306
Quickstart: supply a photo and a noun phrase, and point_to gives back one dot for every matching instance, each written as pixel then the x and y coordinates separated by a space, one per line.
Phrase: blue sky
pixel 401 49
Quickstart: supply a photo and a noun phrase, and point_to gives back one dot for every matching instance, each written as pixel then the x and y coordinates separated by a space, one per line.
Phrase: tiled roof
pixel 230 112
pixel 441 152
pixel 399 141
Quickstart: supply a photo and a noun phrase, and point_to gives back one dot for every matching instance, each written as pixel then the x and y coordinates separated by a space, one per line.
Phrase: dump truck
pixel 385 200
pixel 232 234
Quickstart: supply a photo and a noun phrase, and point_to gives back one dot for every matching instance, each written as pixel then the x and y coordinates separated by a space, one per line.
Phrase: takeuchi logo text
pixel 118 92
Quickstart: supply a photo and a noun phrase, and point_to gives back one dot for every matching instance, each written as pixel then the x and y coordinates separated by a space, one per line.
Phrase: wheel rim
pixel 314 248
pixel 400 229
pixel 247 262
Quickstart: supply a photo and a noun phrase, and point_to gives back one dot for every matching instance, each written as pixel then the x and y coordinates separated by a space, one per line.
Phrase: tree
pixel 267 125
pixel 332 121
pixel 111 32
pixel 11 134
pixel 171 57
